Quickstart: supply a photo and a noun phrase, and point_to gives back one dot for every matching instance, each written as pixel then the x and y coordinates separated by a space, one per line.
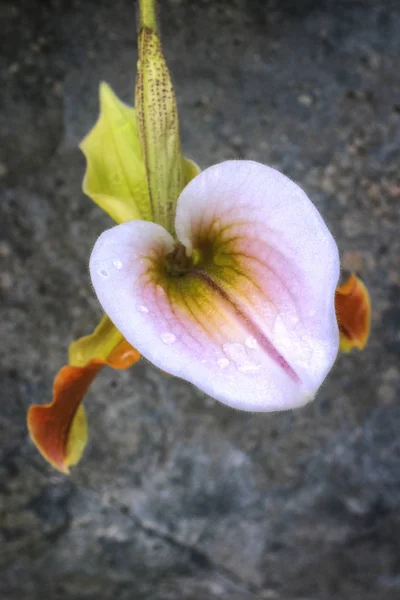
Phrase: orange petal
pixel 123 356
pixel 59 429
pixel 353 311
pixel 50 425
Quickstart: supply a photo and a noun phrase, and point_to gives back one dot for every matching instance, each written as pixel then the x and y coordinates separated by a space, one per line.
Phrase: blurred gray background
pixel 178 496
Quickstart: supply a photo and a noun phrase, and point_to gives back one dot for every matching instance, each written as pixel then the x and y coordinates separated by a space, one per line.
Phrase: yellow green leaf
pixel 158 123
pixel 116 176
pixel 190 170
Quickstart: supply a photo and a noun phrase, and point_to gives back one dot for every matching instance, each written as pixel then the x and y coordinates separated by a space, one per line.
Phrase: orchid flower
pixel 226 278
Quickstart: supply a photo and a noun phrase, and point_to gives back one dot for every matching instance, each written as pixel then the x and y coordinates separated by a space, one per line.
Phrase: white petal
pixel 253 324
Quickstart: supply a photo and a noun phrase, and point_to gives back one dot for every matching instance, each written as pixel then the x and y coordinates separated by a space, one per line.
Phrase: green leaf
pixel 116 176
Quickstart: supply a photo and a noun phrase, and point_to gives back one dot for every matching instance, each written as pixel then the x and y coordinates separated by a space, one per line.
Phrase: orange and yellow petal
pixel 100 344
pixel 59 429
pixel 353 311
pixel 50 425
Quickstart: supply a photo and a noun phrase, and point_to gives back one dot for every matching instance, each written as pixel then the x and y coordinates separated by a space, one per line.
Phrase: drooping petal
pixel 250 317
pixel 116 176
pixel 353 310
pixel 59 429
pixel 158 122
pixel 50 425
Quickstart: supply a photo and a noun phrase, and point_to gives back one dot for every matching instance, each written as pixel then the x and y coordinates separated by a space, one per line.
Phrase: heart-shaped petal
pixel 243 306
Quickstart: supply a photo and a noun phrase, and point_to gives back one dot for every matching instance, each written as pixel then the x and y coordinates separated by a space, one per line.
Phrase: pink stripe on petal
pixel 273 254
pixel 258 336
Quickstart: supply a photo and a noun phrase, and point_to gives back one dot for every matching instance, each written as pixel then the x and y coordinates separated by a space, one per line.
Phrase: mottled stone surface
pixel 178 496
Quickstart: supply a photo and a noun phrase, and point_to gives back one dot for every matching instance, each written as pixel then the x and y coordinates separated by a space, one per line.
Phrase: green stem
pixel 148 14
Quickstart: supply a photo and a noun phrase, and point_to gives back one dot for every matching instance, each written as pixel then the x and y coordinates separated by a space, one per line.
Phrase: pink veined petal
pixel 252 321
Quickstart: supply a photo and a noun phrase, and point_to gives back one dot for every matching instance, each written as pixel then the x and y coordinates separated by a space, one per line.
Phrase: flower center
pixel 177 263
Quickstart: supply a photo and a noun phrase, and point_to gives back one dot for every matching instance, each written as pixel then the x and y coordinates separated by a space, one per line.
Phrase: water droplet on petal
pixel 238 354
pixel 142 308
pixel 103 273
pixel 117 264
pixel 249 367
pixel 223 363
pixel 251 342
pixel 168 338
